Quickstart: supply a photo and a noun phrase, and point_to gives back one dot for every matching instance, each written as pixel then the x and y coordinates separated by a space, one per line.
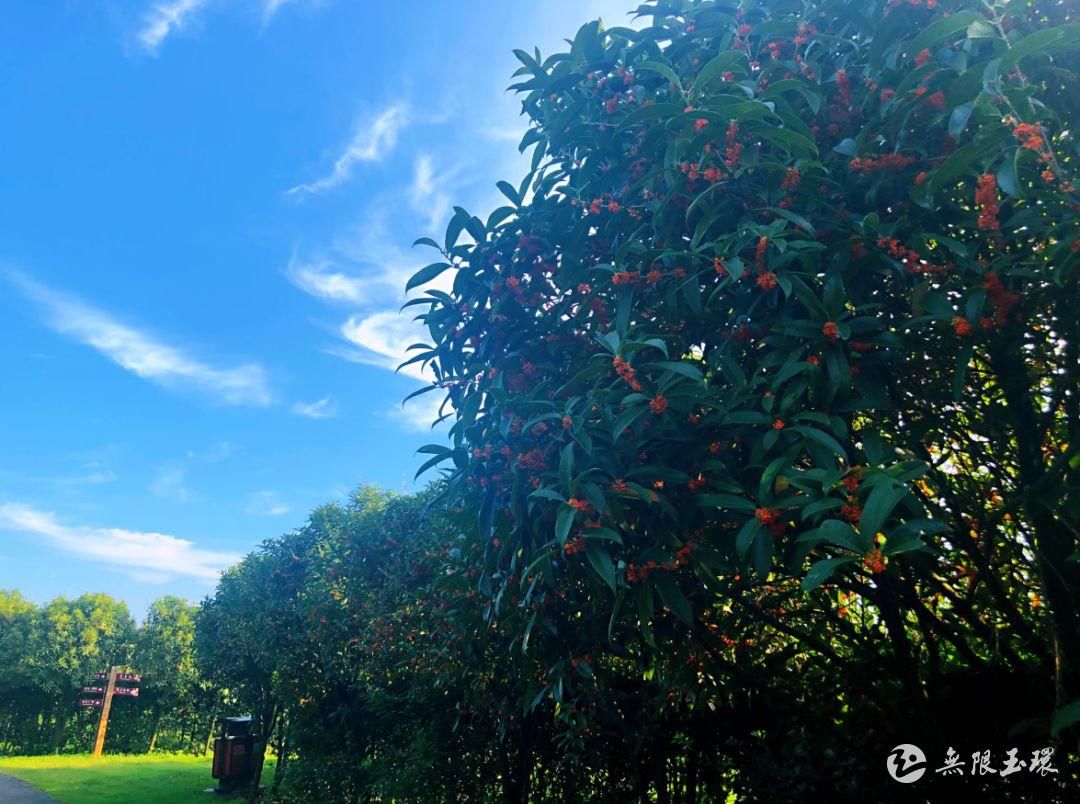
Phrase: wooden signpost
pixel 103 721
pixel 105 701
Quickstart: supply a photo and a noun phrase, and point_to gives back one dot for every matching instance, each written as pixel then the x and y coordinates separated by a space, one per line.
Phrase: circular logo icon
pixel 906 763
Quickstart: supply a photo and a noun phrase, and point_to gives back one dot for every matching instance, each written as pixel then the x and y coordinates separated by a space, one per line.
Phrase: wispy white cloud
pixel 164 18
pixel 428 193
pixel 367 268
pixel 143 355
pixel 266 503
pixel 420 412
pixel 370 144
pixel 423 178
pixel 364 267
pixel 380 256
pixel 93 477
pixel 171 484
pixel 324 408
pixel 271 7
pixel 145 556
pixel 383 339
pixel 217 453
pixel 323 279
pixel 373 284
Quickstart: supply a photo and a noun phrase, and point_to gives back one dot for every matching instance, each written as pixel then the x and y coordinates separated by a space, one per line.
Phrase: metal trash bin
pixel 235 754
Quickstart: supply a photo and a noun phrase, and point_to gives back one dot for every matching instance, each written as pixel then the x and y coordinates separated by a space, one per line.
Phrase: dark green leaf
pixel 821 571
pixel 879 505
pixel 1066 716
pixel 600 559
pixel 936 31
pixel 673 597
pixel 563 522
pixel 426 274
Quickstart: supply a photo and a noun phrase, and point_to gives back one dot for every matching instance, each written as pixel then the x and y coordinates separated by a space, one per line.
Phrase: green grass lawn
pixel 156 778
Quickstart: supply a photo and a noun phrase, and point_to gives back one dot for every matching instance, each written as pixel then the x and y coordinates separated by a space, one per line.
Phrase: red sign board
pixel 93 690
pixel 89 702
pixel 132 691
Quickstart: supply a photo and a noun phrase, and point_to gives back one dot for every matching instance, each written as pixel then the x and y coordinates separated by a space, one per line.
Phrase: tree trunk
pixel 516 781
pixel 210 735
pixel 693 762
pixel 282 756
pixel 267 727
pixel 157 728
pixel 1055 545
pixel 660 779
pixel 59 732
pixel 888 603
pixel 1054 542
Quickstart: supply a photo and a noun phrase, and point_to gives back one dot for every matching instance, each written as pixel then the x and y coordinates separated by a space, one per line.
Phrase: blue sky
pixel 206 211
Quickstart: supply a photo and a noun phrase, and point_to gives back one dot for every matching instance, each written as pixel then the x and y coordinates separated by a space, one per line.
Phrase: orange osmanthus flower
pixel 766 280
pixel 767 516
pixel 759 251
pixel 874 562
pixel 986 198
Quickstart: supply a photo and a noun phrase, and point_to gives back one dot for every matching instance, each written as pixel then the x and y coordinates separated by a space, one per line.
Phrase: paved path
pixel 16 791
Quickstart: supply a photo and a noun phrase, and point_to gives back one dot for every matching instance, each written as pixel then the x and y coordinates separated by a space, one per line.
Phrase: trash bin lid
pixel 235 726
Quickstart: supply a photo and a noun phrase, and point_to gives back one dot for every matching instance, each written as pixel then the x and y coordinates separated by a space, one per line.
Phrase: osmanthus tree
pixel 372 679
pixel 343 633
pixel 771 360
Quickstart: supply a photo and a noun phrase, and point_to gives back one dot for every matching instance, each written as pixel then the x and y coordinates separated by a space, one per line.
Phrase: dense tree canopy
pixel 337 637
pixel 764 382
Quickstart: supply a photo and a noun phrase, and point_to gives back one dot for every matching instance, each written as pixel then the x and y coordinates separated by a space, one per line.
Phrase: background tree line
pixel 49 652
